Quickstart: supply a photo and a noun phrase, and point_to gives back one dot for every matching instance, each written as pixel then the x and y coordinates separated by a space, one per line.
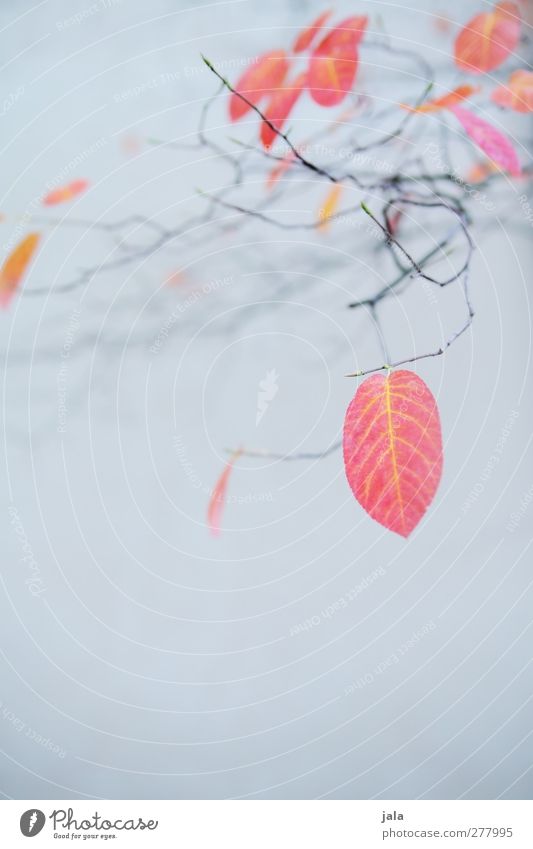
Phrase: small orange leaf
pixel 334 62
pixel 393 449
pixel 330 206
pixel 279 108
pixel 451 99
pixel 259 81
pixel 517 94
pixel 488 38
pixel 65 193
pixel 218 496
pixel 15 265
pixel 480 171
pixel 309 33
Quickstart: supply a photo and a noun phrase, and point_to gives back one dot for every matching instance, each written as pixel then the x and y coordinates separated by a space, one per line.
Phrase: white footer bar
pixel 268 824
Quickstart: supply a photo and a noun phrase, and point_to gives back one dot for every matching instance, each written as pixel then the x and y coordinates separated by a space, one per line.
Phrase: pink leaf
pixel 393 449
pixel 491 141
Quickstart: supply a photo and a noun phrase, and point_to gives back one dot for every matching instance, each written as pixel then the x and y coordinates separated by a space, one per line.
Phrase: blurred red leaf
pixel 279 108
pixel 65 193
pixel 218 496
pixel 309 33
pixel 517 94
pixel 393 449
pixel 259 81
pixel 490 140
pixel 333 65
pixel 451 99
pixel 15 266
pixel 488 38
pixel 329 206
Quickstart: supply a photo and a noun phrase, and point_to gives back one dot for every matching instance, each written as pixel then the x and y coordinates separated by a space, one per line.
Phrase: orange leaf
pixel 259 81
pixel 334 63
pixel 307 35
pixel 451 99
pixel 65 193
pixel 517 94
pixel 480 171
pixel 330 206
pixel 393 449
pixel 218 496
pixel 279 108
pixel 488 38
pixel 15 265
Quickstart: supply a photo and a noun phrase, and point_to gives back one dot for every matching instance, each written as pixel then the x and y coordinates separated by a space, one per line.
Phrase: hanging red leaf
pixel 307 35
pixel 65 193
pixel 259 81
pixel 488 38
pixel 517 94
pixel 490 140
pixel 334 63
pixel 279 108
pixel 451 99
pixel 218 496
pixel 393 449
pixel 15 266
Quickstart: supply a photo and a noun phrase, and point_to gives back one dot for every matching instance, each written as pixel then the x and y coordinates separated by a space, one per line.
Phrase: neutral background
pixel 156 661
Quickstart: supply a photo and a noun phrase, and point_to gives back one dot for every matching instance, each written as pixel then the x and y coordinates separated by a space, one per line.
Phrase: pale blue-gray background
pixel 156 661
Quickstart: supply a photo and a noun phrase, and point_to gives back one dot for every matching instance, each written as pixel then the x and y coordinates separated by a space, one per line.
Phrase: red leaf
pixel 15 265
pixel 307 35
pixel 488 38
pixel 517 94
pixel 334 62
pixel 279 108
pixel 218 496
pixel 259 81
pixel 65 193
pixel 393 449
pixel 491 141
